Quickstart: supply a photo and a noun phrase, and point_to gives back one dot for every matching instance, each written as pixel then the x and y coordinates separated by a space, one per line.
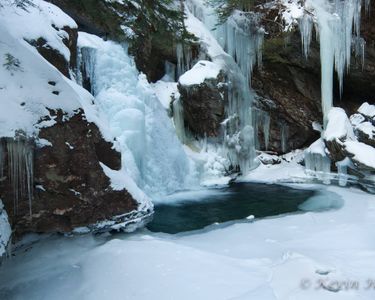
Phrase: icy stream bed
pixel 325 254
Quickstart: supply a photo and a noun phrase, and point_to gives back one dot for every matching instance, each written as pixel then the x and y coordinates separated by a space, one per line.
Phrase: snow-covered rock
pixel 338 130
pixel 269 159
pixel 367 110
pixel 366 133
pixel 202 71
pixel 361 154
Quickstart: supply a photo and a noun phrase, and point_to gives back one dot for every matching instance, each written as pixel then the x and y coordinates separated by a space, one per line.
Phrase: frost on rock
pixel 151 154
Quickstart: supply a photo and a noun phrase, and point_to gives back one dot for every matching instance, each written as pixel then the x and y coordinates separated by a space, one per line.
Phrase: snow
pixel 367 110
pixel 293 10
pixel 290 172
pixel 121 180
pixel 166 92
pixel 202 71
pixel 361 152
pixel 338 126
pixel 289 257
pixel 357 119
pixel 5 230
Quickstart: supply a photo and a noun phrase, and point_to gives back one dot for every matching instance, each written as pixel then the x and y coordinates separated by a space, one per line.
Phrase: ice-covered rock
pixel 5 231
pixel 317 162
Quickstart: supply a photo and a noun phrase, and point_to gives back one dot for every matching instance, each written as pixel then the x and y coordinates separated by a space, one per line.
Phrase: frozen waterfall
pixel 151 153
pixel 240 41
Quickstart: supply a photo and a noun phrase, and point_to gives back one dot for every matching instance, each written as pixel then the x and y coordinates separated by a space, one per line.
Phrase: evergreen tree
pixel 225 8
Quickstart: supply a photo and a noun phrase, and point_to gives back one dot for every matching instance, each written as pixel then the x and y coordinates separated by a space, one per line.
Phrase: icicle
pixel 261 121
pixel 306 26
pixel 178 119
pixel 21 169
pixel 284 137
pixel 184 59
pixel 266 129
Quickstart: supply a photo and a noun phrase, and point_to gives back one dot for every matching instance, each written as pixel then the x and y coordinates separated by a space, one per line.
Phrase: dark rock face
pixel 204 106
pixel 71 189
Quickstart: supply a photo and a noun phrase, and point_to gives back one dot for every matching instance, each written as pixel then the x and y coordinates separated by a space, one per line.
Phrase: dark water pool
pixel 192 211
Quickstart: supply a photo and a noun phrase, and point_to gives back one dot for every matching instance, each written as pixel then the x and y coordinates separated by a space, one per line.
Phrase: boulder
pixel 70 187
pixel 202 91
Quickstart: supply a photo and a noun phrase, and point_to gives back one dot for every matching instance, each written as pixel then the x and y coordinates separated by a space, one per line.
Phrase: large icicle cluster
pixel 338 28
pixel 241 38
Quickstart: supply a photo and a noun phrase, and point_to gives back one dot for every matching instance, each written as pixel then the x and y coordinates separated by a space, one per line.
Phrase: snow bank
pixel 202 70
pixel 361 153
